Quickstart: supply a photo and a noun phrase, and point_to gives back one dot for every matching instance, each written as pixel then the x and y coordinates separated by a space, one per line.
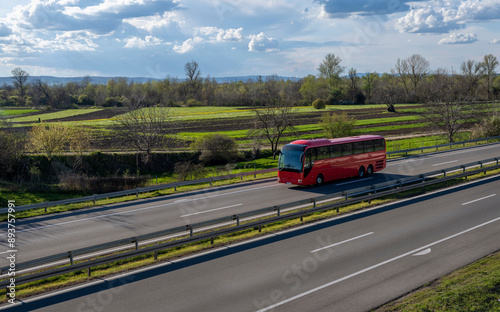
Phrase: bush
pixel 337 125
pixel 488 127
pixel 319 104
pixel 189 171
pixel 81 183
pixel 216 149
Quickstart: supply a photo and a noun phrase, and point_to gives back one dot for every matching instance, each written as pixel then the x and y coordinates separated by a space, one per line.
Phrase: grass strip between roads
pixel 484 290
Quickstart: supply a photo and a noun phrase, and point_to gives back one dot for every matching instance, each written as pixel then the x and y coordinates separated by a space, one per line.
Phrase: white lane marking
pixel 195 213
pixel 375 266
pixel 476 200
pixel 344 183
pixel 8 251
pixel 135 210
pixel 439 156
pixel 448 162
pixel 342 242
pixel 423 252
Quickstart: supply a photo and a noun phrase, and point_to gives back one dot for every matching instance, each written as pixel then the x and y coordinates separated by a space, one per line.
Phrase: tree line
pixel 409 81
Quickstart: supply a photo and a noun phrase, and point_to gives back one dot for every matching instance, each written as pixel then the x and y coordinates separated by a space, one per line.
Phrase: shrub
pixel 319 104
pixel 337 125
pixel 216 149
pixel 189 171
pixel 488 127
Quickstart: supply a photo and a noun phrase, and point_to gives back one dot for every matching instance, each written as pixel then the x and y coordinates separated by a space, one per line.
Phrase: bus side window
pixel 323 152
pixel 308 160
pixel 346 149
pixel 357 148
pixel 368 148
pixel 379 145
pixel 336 150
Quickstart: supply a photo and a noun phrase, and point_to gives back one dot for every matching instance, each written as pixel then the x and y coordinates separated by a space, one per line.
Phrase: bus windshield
pixel 291 158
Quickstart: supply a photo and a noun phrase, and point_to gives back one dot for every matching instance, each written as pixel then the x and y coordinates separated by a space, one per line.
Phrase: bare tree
pixel 50 139
pixel 146 128
pixel 411 71
pixel 448 105
pixel 471 73
pixel 193 74
pixel 489 64
pixel 330 69
pixel 43 88
pixel 272 123
pixel 20 77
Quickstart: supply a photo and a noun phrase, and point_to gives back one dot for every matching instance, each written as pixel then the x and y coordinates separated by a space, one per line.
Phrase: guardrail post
pixel 89 272
pixel 496 160
pixel 190 228
pixel 70 255
pixel 137 193
pixel 237 218
pixel 444 173
pixel 278 209
pixel 45 209
pixel 210 181
pixel 314 202
pixel 211 240
pixel 94 198
pixel 136 241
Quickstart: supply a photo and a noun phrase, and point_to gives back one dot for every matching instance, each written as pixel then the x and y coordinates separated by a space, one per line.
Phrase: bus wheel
pixel 361 172
pixel 369 171
pixel 319 179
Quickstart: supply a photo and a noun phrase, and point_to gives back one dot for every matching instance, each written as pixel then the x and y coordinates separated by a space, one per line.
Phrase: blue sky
pixel 155 38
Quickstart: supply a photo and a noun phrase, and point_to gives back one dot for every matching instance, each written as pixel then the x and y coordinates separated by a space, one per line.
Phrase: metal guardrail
pixel 422 148
pixel 350 197
pixel 137 191
pixel 210 180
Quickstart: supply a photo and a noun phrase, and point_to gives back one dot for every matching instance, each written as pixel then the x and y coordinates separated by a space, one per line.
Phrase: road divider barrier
pixel 208 230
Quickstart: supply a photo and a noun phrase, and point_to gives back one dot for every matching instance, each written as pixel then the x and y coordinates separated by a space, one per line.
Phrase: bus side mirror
pixel 278 152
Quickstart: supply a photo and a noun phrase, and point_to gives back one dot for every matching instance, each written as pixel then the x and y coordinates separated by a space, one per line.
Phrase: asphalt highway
pixel 57 233
pixel 351 263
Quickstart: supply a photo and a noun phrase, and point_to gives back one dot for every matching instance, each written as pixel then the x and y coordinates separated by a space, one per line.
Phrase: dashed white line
pixel 355 181
pixel 342 242
pixel 445 163
pixel 476 200
pixel 195 213
pixel 423 248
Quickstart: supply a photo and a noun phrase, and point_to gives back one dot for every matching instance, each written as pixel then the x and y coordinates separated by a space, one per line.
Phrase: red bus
pixel 307 162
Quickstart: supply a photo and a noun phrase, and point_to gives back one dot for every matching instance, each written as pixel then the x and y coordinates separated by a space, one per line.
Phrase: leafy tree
pixel 50 139
pixel 216 149
pixel 337 125
pixel 330 69
pixel 13 147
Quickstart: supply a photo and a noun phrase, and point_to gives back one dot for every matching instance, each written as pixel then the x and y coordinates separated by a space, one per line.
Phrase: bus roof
pixel 323 142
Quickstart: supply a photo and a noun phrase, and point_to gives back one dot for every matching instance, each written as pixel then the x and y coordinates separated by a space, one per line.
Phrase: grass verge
pixel 30 289
pixel 475 287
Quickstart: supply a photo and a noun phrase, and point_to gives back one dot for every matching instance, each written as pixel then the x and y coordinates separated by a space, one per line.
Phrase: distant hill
pixel 103 80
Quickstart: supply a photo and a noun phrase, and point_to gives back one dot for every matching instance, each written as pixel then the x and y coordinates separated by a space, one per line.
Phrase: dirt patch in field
pixel 102 114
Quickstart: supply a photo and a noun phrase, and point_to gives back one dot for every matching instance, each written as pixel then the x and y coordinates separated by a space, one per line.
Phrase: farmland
pixel 194 122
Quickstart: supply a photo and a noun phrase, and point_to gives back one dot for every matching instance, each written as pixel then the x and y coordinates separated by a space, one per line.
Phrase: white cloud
pixel 426 20
pixel 495 41
pixel 459 38
pixel 220 35
pixel 150 23
pixel 188 45
pixel 444 16
pixel 135 42
pixel 263 43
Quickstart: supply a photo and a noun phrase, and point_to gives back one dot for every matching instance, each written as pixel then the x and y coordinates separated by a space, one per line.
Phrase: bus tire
pixel 369 171
pixel 320 179
pixel 361 172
